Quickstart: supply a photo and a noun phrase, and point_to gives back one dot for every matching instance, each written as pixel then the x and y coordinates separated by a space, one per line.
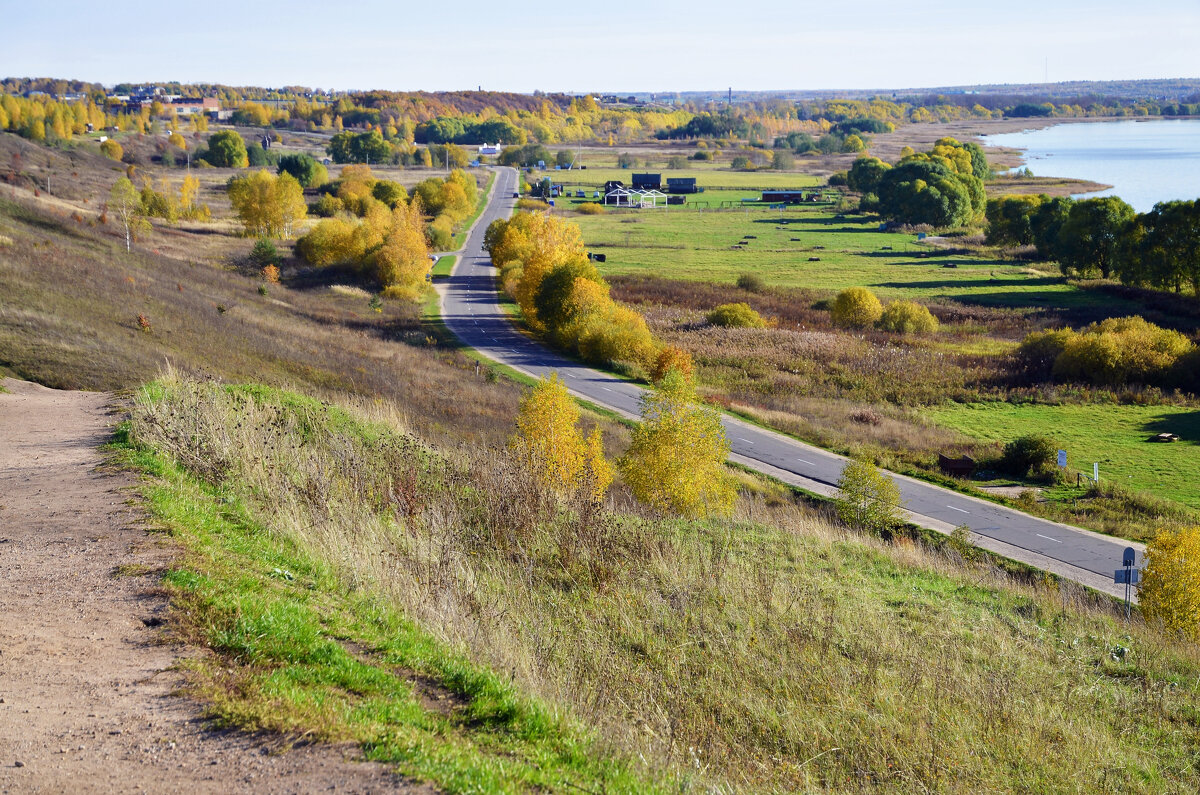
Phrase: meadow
pixel 1115 436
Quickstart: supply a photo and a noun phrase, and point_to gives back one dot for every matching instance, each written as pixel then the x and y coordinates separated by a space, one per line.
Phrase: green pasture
pixel 814 247
pixel 1115 436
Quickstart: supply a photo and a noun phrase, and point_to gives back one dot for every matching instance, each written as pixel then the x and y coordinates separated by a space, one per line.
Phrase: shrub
pixel 737 315
pixel 590 208
pixel 867 499
pixel 908 317
pixel 532 204
pixel 264 253
pixel 441 235
pixel 327 206
pixel 856 307
pixel 672 358
pixel 1120 350
pixel 1038 351
pixel 742 163
pixel 1029 455
pixel 751 283
pixel 111 149
pixel 1170 589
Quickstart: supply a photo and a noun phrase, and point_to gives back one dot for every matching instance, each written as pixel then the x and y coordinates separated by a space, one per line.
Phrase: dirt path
pixel 86 700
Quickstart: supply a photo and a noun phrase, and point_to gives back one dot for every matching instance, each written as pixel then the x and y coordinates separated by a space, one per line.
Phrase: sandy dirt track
pixel 87 686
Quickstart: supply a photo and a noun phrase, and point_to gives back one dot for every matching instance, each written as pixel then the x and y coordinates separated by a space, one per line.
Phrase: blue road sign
pixel 1127 576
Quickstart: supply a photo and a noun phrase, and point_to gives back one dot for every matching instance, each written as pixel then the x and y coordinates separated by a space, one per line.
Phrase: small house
pixel 647 181
pixel 681 185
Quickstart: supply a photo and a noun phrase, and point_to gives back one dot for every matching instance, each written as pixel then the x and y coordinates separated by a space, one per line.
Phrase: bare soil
pixel 88 673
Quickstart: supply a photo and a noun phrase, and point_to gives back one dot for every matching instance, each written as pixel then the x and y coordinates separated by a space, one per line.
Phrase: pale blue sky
pixel 616 46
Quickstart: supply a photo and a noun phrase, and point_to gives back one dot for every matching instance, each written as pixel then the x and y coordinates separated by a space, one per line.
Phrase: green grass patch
pixel 814 247
pixel 1115 436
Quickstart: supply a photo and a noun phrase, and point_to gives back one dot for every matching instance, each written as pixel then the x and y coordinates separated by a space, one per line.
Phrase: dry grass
pixel 772 652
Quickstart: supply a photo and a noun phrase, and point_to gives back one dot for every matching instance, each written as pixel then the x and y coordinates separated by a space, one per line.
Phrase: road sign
pixel 1129 557
pixel 1127 576
pixel 1062 459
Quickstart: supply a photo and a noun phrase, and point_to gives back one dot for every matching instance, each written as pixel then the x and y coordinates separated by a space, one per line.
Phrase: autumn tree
pixel 1170 589
pixel 226 149
pixel 867 498
pixel 305 168
pixel 111 149
pixel 676 461
pixel 125 202
pixel 266 204
pixel 548 441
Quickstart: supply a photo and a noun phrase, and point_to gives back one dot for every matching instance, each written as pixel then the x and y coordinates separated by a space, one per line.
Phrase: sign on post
pixel 1062 459
pixel 1128 576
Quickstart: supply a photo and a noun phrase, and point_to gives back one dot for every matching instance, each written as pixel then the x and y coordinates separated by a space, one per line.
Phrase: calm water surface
pixel 1144 161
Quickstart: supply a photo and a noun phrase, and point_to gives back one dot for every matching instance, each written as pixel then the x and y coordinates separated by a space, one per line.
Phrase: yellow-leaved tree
pixel 268 205
pixel 676 463
pixel 1170 589
pixel 402 261
pixel 549 443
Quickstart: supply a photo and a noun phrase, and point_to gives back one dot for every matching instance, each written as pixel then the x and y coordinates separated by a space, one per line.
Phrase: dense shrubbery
pixel 1029 455
pixel 737 315
pixel 1113 352
pixel 388 244
pixel 856 307
pixel 908 317
pixel 544 267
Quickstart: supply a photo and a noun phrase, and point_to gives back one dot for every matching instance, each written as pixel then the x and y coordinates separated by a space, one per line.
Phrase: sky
pixel 617 46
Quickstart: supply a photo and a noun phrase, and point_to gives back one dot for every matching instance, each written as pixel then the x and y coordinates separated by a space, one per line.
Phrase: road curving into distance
pixel 471 311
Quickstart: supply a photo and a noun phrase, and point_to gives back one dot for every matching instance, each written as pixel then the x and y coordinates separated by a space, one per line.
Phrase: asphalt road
pixel 470 310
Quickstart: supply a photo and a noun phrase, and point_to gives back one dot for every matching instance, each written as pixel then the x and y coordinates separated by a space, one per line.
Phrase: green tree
pixel 305 168
pixel 1091 239
pixel 676 459
pixel 868 499
pixel 1010 219
pixel 125 202
pixel 226 149
pixel 1029 455
pixel 1046 224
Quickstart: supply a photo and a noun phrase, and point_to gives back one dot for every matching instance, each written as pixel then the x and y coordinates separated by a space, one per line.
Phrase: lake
pixel 1145 161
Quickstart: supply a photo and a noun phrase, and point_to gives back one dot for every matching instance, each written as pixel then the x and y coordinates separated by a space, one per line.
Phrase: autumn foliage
pixel 544 267
pixel 1170 589
pixel 549 443
pixel 676 461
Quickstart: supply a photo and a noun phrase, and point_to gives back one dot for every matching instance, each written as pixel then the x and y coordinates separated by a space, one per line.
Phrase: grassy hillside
pixel 366 564
pixel 771 652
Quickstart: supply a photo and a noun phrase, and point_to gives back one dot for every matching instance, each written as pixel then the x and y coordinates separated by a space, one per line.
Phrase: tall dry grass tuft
pixel 769 652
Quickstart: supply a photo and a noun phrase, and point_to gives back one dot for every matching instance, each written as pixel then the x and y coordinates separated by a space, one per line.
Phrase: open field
pixel 1115 436
pixel 850 251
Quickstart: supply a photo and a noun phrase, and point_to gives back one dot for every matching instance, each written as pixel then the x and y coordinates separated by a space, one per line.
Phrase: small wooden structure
pixel 647 181
pixel 682 185
pixel 957 467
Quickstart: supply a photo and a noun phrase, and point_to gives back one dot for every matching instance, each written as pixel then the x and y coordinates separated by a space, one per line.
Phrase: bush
pixel 751 283
pixel 590 208
pixel 868 499
pixel 737 315
pixel 1170 590
pixel 856 307
pixel 1039 350
pixel 327 206
pixel 742 163
pixel 672 358
pixel 112 150
pixel 907 317
pixel 264 253
pixel 1029 455
pixel 441 234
